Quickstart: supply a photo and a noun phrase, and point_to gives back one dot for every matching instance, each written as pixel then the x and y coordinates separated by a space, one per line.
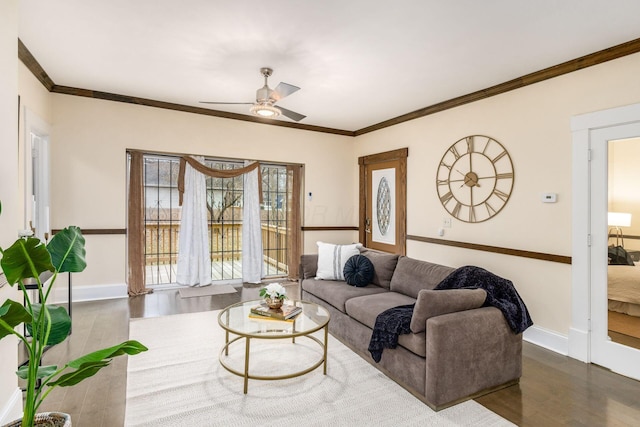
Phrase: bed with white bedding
pixel 624 289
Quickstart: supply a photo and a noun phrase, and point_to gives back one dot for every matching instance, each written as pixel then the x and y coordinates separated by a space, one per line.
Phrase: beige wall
pixel 533 123
pixel 90 138
pixel 9 220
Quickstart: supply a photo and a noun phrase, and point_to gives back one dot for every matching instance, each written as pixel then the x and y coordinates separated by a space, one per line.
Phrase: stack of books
pixel 286 312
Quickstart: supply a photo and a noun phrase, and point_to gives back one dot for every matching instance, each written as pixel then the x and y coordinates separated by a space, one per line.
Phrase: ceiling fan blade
pixel 283 90
pixel 291 114
pixel 230 103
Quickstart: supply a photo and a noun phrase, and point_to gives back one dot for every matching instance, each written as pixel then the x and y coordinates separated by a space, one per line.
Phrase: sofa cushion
pixel 332 258
pixel 308 265
pixel 415 343
pixel 383 265
pixel 336 292
pixel 412 275
pixel 365 309
pixel 432 303
pixel 358 271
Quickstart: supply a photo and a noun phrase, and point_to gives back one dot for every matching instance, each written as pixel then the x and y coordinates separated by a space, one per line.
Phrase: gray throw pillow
pixel 431 303
pixel 384 265
pixel 412 275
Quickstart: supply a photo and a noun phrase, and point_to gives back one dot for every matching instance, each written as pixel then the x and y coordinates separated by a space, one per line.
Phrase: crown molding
pixel 36 69
pixel 596 58
pixel 67 90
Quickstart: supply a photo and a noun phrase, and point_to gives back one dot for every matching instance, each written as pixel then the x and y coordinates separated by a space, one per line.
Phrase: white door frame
pixel 590 133
pixel 37 148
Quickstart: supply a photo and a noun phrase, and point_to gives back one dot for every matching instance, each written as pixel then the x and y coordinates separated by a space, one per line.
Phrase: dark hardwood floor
pixel 553 391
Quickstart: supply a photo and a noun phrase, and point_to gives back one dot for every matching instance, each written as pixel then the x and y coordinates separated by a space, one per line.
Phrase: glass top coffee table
pixel 235 320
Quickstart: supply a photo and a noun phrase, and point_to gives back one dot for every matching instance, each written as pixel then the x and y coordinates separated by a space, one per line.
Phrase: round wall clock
pixel 475 178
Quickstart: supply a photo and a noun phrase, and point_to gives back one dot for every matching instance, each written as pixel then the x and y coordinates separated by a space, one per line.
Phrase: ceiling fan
pixel 267 97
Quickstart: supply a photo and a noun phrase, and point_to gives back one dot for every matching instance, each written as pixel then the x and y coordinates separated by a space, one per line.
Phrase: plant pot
pixel 46 419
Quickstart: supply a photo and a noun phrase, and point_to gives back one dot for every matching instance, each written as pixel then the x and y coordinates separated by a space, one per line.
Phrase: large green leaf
pixel 130 347
pixel 91 363
pixel 43 371
pixel 67 250
pixel 85 370
pixel 25 258
pixel 11 315
pixel 60 323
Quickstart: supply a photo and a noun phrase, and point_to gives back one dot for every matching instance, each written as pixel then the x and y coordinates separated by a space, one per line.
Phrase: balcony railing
pixel 161 250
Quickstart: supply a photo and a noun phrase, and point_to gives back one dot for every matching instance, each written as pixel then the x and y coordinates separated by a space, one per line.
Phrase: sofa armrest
pixel 308 266
pixel 468 352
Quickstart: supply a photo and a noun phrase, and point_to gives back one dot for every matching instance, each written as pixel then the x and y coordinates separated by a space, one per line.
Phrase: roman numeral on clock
pixel 502 195
pixel 445 198
pixel 490 210
pixel 456 210
pixel 499 156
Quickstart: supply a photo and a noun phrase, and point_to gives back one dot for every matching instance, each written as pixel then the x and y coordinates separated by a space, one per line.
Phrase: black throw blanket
pixel 389 324
pixel 500 294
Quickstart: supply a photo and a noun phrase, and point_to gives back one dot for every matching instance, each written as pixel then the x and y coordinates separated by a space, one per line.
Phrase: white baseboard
pixel 12 410
pixel 89 293
pixel 547 339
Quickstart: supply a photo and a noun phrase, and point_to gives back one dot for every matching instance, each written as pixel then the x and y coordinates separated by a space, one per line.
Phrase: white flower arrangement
pixel 274 291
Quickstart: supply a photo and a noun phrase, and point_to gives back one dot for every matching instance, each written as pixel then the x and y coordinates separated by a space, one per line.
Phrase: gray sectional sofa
pixel 456 350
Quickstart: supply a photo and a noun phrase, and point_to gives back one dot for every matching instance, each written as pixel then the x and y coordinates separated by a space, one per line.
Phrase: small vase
pixel 273 302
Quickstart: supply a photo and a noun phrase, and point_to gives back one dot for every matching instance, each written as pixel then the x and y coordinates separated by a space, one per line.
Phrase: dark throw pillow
pixel 358 271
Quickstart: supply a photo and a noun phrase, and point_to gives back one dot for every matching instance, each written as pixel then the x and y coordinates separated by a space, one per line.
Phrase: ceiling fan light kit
pixel 266 97
pixel 264 110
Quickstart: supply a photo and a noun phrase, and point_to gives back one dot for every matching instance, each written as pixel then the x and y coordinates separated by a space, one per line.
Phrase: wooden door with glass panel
pixel 383 201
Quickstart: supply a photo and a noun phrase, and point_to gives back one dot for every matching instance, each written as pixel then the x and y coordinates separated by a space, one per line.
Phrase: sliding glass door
pixel 224 205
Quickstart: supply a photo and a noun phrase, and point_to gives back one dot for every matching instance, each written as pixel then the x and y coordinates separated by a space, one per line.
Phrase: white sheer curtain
pixel 252 263
pixel 194 260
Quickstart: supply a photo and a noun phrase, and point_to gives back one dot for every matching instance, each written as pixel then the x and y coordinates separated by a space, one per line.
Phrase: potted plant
pixel 274 294
pixel 47 324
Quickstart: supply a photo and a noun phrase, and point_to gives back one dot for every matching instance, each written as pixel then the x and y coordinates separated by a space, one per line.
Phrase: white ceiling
pixel 358 62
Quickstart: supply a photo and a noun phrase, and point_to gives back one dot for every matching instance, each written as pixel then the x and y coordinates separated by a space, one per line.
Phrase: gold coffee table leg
pixel 246 364
pixel 226 337
pixel 293 340
pixel 326 336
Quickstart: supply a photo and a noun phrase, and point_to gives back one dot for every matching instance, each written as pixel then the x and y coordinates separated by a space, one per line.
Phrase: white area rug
pixel 202 291
pixel 180 382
